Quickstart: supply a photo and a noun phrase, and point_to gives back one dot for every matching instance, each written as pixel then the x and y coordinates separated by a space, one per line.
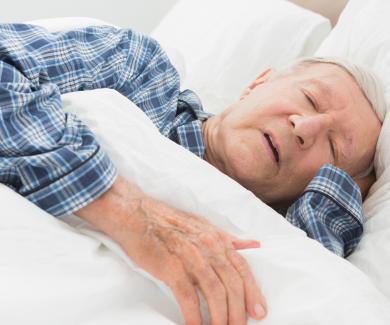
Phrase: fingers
pixel 256 305
pixel 245 244
pixel 187 297
pixel 225 280
pixel 237 243
pixel 254 300
pixel 213 250
pixel 208 282
pixel 214 293
pixel 175 275
pixel 209 261
pixel 234 289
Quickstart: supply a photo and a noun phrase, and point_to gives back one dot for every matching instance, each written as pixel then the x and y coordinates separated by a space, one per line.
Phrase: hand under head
pixel 287 125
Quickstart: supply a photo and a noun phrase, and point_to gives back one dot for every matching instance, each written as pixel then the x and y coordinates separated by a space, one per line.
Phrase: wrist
pixel 112 212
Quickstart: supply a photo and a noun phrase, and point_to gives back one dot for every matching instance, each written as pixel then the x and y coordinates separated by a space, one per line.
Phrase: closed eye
pixel 310 100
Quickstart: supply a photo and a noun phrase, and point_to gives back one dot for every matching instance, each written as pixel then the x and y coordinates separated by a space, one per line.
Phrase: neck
pixel 205 136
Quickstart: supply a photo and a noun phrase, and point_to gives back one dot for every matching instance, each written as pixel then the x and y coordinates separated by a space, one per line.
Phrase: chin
pixel 242 170
pixel 264 196
pixel 240 162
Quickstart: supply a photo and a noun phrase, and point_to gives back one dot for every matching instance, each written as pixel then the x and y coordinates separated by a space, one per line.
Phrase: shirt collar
pixel 192 100
pixel 189 134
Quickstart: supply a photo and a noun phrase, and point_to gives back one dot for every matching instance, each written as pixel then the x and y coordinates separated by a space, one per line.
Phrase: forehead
pixel 325 75
pixel 333 86
pixel 333 83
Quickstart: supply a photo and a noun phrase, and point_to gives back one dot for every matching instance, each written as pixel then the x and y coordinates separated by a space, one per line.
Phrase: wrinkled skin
pixel 184 251
pixel 315 114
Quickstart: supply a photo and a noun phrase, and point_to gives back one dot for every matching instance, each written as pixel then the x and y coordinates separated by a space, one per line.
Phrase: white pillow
pixel 227 44
pixel 362 34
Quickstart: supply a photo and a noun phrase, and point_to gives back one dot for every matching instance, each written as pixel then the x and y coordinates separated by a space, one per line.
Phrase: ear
pixel 263 77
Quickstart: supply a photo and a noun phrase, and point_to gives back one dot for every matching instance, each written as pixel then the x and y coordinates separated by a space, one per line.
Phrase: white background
pixel 142 15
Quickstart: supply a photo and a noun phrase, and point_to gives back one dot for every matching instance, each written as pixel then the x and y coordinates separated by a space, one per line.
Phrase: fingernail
pixel 259 310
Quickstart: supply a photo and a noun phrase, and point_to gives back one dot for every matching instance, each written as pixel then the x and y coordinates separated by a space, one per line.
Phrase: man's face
pixel 312 116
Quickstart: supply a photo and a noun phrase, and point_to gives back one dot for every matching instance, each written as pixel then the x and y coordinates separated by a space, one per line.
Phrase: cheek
pixel 244 156
pixel 309 164
pixel 241 156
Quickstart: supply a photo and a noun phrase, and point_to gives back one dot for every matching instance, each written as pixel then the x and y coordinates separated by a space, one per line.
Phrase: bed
pixel 63 271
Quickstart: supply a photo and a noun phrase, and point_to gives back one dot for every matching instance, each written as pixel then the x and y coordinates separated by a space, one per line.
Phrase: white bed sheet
pixel 53 273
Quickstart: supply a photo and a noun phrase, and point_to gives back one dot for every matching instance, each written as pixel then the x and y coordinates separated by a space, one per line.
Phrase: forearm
pixel 56 154
pixel 112 211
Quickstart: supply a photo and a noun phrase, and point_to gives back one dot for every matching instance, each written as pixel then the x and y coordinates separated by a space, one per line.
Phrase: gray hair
pixel 367 80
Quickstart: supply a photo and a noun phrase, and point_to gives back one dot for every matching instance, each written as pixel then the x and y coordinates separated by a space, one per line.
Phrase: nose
pixel 308 128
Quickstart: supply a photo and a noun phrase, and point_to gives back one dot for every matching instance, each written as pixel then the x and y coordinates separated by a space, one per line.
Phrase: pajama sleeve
pixel 48 155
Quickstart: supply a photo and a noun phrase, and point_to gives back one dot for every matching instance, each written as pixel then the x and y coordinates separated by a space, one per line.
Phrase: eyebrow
pixel 323 88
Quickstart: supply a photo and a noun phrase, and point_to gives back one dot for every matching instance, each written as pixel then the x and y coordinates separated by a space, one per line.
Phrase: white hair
pixel 367 80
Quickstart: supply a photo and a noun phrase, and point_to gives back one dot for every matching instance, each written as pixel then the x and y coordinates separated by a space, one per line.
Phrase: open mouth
pixel 269 139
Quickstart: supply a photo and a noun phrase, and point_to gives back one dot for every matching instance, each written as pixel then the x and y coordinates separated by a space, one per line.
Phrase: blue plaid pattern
pixel 330 210
pixel 52 158
pixel 187 126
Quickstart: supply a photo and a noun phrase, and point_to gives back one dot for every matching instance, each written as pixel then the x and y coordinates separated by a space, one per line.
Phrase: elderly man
pixel 274 140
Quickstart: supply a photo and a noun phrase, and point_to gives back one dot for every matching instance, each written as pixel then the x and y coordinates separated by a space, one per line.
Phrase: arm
pixel 48 155
pixel 182 250
pixel 92 58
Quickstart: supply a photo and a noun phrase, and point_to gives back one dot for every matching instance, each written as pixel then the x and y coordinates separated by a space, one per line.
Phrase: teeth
pixel 270 138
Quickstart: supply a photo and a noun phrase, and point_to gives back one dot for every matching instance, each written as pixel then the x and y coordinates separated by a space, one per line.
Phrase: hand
pixel 185 252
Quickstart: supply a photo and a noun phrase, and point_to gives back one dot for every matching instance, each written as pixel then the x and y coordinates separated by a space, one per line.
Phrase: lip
pixel 275 143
